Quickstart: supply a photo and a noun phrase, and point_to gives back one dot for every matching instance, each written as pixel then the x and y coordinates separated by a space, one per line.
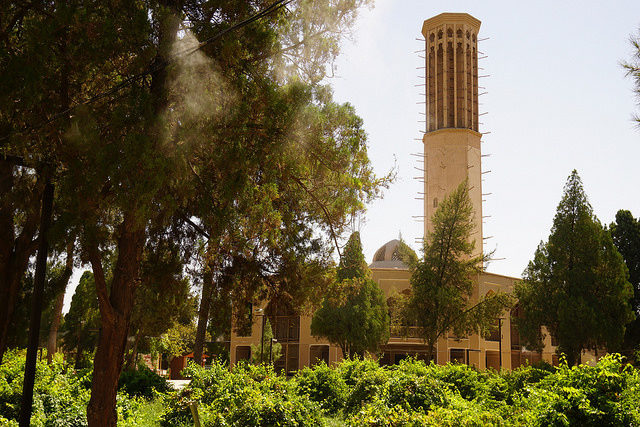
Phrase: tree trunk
pixel 14 252
pixel 116 306
pixel 115 315
pixel 430 353
pixel 8 296
pixel 65 102
pixel 52 339
pixel 573 357
pixel 203 314
pixel 133 354
pixel 430 347
pixel 77 364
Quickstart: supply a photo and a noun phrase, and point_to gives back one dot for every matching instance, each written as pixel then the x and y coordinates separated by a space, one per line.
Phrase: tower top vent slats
pixel 451 65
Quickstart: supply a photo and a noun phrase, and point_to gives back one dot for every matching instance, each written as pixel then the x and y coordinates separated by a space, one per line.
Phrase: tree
pixel 576 285
pixel 183 119
pixel 354 315
pixel 81 323
pixel 633 67
pixel 55 279
pixel 52 339
pixel 625 232
pixel 162 298
pixel 19 216
pixel 260 352
pixel 176 341
pixel 442 280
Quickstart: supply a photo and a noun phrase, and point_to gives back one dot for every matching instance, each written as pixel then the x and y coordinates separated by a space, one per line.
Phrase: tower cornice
pixel 450 18
pixel 453 130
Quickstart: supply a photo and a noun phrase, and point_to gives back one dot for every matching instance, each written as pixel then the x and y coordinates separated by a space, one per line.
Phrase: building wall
pixel 474 349
pixel 307 344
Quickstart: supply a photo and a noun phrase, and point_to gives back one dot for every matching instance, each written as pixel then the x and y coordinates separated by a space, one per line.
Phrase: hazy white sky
pixel 557 100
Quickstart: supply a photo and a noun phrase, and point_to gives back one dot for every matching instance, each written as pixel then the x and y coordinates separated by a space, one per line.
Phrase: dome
pixel 388 256
pixel 388 251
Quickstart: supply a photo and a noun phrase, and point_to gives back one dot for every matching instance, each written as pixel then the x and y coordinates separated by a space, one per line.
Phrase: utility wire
pixel 137 77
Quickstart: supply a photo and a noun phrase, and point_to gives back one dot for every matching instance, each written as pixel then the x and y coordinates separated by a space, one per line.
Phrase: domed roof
pixel 388 252
pixel 388 256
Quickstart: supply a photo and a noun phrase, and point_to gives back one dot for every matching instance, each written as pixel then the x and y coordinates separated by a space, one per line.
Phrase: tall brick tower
pixel 452 149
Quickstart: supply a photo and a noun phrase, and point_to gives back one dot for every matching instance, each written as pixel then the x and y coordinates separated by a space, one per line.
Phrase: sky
pixel 557 100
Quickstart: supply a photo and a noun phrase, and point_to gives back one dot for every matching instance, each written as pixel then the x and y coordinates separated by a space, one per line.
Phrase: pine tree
pixel 626 236
pixel 354 316
pixel 576 285
pixel 442 280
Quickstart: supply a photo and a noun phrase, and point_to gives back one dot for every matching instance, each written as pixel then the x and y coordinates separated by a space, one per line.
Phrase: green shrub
pixel 519 380
pixel 323 385
pixel 377 413
pixel 60 395
pixel 463 379
pixel 462 412
pixel 142 382
pixel 585 395
pixel 370 385
pixel 415 392
pixel 248 395
pixel 351 370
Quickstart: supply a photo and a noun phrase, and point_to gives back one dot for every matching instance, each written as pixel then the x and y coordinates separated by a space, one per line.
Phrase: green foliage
pixel 442 280
pixel 355 392
pixel 142 382
pixel 584 395
pixel 249 395
pixel 163 296
pixel 54 283
pixel 323 385
pixel 355 315
pixel 625 232
pixel 82 321
pixel 177 340
pixel 352 263
pixel 576 285
pixel 60 396
pixel 369 384
pixel 632 67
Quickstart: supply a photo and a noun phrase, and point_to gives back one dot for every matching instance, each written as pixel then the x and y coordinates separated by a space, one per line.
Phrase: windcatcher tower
pixel 451 141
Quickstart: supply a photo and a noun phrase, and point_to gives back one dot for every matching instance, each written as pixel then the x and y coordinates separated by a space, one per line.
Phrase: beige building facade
pixel 452 153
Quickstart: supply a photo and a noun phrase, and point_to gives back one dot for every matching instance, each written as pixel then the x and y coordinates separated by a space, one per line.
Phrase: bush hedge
pixel 142 382
pixel 354 392
pixel 362 393
pixel 60 397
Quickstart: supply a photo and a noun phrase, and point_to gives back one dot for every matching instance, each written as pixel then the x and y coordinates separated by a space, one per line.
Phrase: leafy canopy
pixel 442 280
pixel 576 285
pixel 626 236
pixel 354 315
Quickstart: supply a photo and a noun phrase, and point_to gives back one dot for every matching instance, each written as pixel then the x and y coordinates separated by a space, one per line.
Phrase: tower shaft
pixel 452 151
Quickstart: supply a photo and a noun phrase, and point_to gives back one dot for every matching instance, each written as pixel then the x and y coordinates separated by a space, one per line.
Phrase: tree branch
pixel 324 209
